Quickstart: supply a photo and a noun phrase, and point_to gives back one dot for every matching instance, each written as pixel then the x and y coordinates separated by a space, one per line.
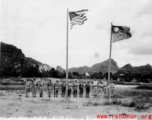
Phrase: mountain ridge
pixel 14 59
pixel 98 67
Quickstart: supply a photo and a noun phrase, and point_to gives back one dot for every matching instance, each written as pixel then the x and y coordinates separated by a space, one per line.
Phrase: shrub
pixel 142 106
pixel 128 103
pixel 116 101
pixel 108 102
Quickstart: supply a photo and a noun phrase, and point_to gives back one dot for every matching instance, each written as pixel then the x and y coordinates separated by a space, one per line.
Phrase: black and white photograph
pixel 88 59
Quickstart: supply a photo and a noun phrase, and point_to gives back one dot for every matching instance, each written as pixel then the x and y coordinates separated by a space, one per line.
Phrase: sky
pixel 39 29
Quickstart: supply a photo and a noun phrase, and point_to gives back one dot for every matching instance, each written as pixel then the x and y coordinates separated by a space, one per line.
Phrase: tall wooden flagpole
pixel 109 67
pixel 67 57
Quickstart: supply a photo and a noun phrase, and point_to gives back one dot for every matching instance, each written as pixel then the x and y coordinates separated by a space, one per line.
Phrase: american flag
pixel 78 17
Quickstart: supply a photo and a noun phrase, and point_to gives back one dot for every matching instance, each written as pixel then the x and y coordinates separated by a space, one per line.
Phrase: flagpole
pixel 109 67
pixel 67 58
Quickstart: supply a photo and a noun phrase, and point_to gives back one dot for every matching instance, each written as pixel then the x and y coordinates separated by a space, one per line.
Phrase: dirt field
pixel 14 103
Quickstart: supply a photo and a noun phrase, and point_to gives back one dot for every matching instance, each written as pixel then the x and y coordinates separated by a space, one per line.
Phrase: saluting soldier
pixel 49 87
pixel 87 87
pixel 41 84
pixel 63 88
pixel 75 89
pixel 69 88
pixel 81 87
pixel 34 85
pixel 27 87
pixel 56 89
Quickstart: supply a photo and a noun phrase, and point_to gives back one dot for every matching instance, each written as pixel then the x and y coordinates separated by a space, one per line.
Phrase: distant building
pixel 87 75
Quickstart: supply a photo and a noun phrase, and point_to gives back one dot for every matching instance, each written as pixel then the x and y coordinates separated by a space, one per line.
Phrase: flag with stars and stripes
pixel 77 17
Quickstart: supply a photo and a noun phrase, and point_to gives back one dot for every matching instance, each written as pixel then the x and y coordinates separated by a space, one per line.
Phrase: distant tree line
pixel 33 71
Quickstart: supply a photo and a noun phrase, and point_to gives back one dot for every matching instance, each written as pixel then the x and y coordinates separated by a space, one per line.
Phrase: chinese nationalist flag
pixel 120 33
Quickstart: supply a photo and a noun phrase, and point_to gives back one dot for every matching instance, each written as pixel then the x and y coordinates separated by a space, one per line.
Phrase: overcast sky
pixel 38 27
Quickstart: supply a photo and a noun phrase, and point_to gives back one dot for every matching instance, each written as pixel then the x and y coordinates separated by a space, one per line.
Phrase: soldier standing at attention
pixel 112 88
pixel 75 89
pixel 104 86
pixel 69 88
pixel 63 88
pixel 34 85
pixel 87 87
pixel 41 87
pixel 38 85
pixel 56 89
pixel 49 87
pixel 81 87
pixel 27 87
pixel 95 87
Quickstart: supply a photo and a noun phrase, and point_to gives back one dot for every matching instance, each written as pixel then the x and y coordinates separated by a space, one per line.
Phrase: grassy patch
pixel 128 103
pixel 145 86
pixel 12 87
pixel 71 107
pixel 93 103
pixel 142 106
pixel 2 94
pixel 116 101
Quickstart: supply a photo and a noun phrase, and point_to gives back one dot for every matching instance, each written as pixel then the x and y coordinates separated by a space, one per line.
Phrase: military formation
pixel 74 88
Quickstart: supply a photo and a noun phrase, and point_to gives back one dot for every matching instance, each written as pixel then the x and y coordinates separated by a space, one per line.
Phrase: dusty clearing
pixel 14 103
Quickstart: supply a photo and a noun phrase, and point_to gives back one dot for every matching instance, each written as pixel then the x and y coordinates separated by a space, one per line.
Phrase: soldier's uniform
pixel 34 85
pixel 87 87
pixel 27 87
pixel 105 86
pixel 81 87
pixel 56 89
pixel 63 88
pixel 69 89
pixel 38 85
pixel 41 84
pixel 95 88
pixel 75 89
pixel 49 86
pixel 112 88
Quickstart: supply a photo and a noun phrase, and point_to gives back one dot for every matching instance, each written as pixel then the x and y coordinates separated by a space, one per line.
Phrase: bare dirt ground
pixel 14 103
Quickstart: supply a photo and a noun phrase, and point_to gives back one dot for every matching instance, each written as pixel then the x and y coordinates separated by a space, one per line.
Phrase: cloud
pixel 142 47
pixel 96 55
pixel 146 10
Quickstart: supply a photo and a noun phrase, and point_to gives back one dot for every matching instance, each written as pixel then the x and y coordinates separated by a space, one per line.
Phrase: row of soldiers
pixel 33 85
